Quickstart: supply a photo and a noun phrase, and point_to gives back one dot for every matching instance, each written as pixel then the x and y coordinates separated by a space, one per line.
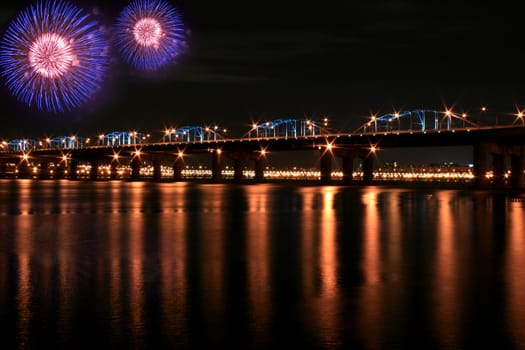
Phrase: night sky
pixel 263 60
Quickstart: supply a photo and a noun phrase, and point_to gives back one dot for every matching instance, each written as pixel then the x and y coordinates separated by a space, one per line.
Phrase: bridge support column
pixel 177 169
pixel 93 173
pixel 69 169
pixel 498 163
pixel 157 170
pixel 135 168
pixel 113 169
pixel 59 171
pixel 216 166
pixel 368 169
pixel 3 170
pixel 237 170
pixel 44 170
pixel 25 170
pixel 481 165
pixel 348 170
pixel 326 166
pixel 516 163
pixel 260 164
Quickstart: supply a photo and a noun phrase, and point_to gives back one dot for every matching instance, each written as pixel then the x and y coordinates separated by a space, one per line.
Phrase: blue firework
pixel 150 34
pixel 54 56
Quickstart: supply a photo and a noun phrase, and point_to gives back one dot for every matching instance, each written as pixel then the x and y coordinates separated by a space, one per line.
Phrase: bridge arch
pixel 192 133
pixel 21 145
pixel 64 142
pixel 120 138
pixel 288 128
pixel 422 120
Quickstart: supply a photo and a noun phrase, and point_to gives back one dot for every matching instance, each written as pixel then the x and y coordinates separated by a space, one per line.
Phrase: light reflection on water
pixel 177 265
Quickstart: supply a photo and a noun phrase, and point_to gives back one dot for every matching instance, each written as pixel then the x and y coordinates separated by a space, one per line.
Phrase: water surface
pixel 176 265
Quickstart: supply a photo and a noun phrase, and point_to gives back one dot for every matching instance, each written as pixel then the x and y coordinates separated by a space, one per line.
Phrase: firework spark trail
pixel 54 56
pixel 150 34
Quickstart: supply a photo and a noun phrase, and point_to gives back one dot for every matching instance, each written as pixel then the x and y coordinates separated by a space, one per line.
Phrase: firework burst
pixel 54 56
pixel 149 34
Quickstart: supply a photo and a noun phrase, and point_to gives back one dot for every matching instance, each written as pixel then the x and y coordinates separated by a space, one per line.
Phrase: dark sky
pixel 259 60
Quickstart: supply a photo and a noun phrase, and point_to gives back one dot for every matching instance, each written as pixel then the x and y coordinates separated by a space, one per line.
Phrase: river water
pixel 136 265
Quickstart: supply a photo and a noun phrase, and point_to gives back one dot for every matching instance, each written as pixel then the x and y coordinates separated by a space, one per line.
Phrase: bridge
pixel 498 148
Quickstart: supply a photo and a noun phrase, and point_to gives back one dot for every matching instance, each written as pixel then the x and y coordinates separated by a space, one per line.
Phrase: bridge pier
pixel 348 170
pixel 216 166
pixel 25 170
pixel 177 169
pixel 238 164
pixel 517 180
pixel 498 166
pixel 93 173
pixel 3 170
pixel 113 170
pixel 44 170
pixel 368 168
pixel 326 166
pixel 499 153
pixel 135 168
pixel 157 169
pixel 260 164
pixel 481 164
pixel 69 169
pixel 347 156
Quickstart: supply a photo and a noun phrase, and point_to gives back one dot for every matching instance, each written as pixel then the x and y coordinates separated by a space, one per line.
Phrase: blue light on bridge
pixel 121 138
pixel 66 142
pixel 416 120
pixel 21 145
pixel 194 133
pixel 288 128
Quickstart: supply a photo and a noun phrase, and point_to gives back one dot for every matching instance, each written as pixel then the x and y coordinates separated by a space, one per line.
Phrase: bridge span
pixel 497 148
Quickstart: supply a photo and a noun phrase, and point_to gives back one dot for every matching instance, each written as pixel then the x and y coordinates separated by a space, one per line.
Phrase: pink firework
pixel 51 55
pixel 150 34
